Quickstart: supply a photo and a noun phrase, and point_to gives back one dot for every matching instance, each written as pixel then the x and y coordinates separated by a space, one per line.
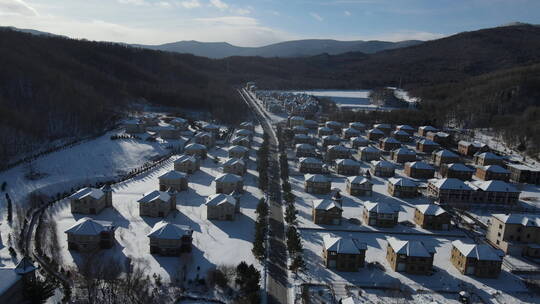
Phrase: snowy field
pixel 343 99
pixel 214 242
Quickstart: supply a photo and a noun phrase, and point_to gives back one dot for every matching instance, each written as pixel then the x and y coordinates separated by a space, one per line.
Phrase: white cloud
pixel 241 11
pixel 190 4
pixel 219 4
pixel 134 2
pixel 316 16
pixel 347 13
pixel 229 20
pixel 408 35
pixel 16 7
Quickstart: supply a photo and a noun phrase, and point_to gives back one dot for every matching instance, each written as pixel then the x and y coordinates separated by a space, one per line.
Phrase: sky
pixel 261 22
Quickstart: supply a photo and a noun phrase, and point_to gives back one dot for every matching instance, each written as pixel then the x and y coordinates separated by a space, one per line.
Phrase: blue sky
pixel 254 23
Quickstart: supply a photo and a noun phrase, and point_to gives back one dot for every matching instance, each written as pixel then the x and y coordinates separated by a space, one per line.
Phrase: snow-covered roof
pixel 203 134
pixel 318 178
pixel 155 195
pixel 343 245
pixel 449 184
pixel 25 266
pixel 351 130
pixel 382 164
pixel 239 139
pixel 247 124
pixel 404 151
pixel 405 127
pixel 234 161
pixel 211 126
pixel 375 131
pixel 487 155
pixel 369 149
pixel 220 199
pixel 474 144
pixel 243 132
pixel 382 126
pixel 380 207
pixel 428 128
pixel 301 136
pixel 170 231
pixel 495 169
pixel 519 218
pixel 459 167
pixel 402 182
pixel 332 137
pixel 420 165
pixel 88 226
pixel 400 133
pixel 305 147
pixel 430 209
pixel 493 186
pixel 359 139
pixel 88 192
pixel 229 178
pixel 186 158
pixel 173 175
pixel 357 124
pixel 298 118
pixel 325 204
pixel 390 140
pixel 195 147
pixel 445 153
pixel 409 248
pixel 178 120
pixel 338 148
pixel 481 252
pixel 347 162
pixel 236 148
pixel 524 167
pixel 310 160
pixel 310 122
pixel 326 129
pixel 359 180
pixel 427 142
pixel 333 123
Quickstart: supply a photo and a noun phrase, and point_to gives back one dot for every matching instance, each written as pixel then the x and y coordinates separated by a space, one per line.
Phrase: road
pixel 277 282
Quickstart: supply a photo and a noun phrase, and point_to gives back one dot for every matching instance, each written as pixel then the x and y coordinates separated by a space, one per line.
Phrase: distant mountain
pixel 296 48
pixel 31 31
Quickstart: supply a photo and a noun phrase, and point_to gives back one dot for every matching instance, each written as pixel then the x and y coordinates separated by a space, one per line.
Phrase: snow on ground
pixel 404 95
pixel 214 242
pixel 344 99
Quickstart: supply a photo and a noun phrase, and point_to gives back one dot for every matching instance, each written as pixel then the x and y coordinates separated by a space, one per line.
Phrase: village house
pixel 296 121
pixel 423 130
pixel 326 212
pixel 456 170
pixel 195 149
pixel 187 163
pixel 243 133
pixel 324 131
pixel 169 239
pixel 247 125
pixel 241 141
pixel 494 192
pixel 334 125
pixel 317 184
pixel 235 166
pixel 380 214
pixel 419 169
pixel 179 123
pixel 238 152
pixel 330 140
pixel 157 203
pixel 343 254
pixel 448 191
pixel 358 186
pixel 303 139
pixel 409 256
pixel 311 124
pixel 212 128
pixel 167 132
pixel 347 167
pixel 228 183
pixel 91 200
pixel 402 187
pixel 173 180
pixel 386 128
pixel 357 126
pixel 426 146
pixel 401 136
pixel 305 150
pixel 375 134
pixel 432 217
pixel 134 126
pixel 337 152
pixel 369 153
pixel 492 172
pixel 444 157
pixel 442 138
pixel 516 234
pixel 470 148
pixel 357 142
pixel 300 130
pixel 487 158
pixel 348 133
pixel 15 281
pixel 88 235
pixel 406 128
pixel 480 260
pixel 310 165
pixel 382 168
pixel 389 144
pixel 150 120
pixel 205 138
pixel 524 174
pixel 221 207
pixel 402 155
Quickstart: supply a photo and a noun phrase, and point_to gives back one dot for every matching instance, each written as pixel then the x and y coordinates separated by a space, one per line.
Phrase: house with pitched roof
pixel 187 163
pixel 375 134
pixel 444 157
pixel 409 256
pixel 380 214
pixel 173 180
pixel 300 130
pixel 195 149
pixel 88 235
pixel 456 170
pixel 449 191
pixel 358 142
pixel 423 130
pixel 337 152
pixel 157 203
pixel 382 168
pixel 326 212
pixel 492 172
pixel 324 131
pixel 310 165
pixel 402 187
pixel 205 138
pixel 343 254
pixel 487 158
pixel 348 133
pixel 442 138
pixel 470 148
pixel 406 128
pixel 401 136
pixel 90 200
pixel 432 217
pixel 247 125
pixel 228 183
pixel 241 141
pixel 347 167
pixel 386 128
pixel 515 233
pixel 180 123
pixel 296 121
pixel 419 169
pixel 235 166
pixel 520 173
pixel 369 153
pixel 358 186
pixel 311 124
pixel 169 239
pixel 494 192
pixel 334 125
pixel 238 152
pixel 317 184
pixel 426 146
pixel 330 140
pixel 403 155
pixel 480 260
pixel 221 207
pixel 305 150
pixel 357 126
pixel 389 144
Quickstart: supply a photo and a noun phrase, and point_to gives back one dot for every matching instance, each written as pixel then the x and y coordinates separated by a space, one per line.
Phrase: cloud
pixel 219 4
pixel 347 13
pixel 134 2
pixel 16 7
pixel 407 35
pixel 190 4
pixel 316 16
pixel 241 11
pixel 229 20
